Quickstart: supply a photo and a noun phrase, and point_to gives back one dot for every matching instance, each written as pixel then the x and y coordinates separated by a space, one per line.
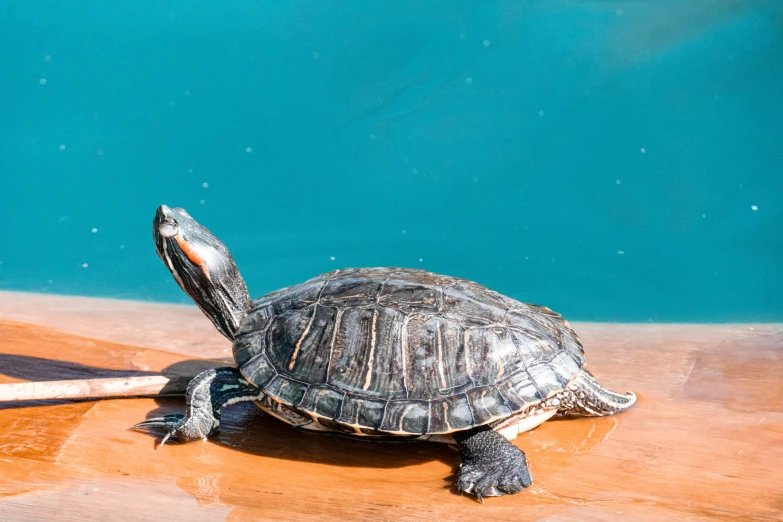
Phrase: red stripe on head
pixel 192 255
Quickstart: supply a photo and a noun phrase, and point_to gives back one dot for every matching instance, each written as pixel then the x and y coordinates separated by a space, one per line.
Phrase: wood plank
pixel 704 442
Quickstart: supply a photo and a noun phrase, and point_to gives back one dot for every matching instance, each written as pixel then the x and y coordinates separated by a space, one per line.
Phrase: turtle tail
pixel 584 397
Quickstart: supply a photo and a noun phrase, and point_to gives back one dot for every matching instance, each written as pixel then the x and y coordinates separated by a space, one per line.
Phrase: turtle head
pixel 202 266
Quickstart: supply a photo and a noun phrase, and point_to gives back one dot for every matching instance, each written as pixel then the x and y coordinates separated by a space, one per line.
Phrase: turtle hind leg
pixel 207 393
pixel 491 466
pixel 584 397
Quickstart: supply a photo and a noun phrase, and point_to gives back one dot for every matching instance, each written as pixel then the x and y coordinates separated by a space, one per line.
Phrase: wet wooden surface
pixel 704 442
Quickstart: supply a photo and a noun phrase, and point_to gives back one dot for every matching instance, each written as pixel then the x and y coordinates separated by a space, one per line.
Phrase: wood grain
pixel 705 441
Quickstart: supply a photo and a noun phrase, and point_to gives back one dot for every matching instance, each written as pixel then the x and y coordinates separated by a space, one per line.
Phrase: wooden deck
pixel 704 442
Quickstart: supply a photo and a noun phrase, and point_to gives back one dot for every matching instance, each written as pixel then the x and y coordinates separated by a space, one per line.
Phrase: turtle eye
pixel 168 229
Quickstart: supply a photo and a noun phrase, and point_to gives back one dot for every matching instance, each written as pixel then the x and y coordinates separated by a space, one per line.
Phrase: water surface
pixel 617 161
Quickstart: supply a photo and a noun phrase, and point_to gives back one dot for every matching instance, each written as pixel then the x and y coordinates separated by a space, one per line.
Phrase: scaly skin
pixel 491 466
pixel 207 393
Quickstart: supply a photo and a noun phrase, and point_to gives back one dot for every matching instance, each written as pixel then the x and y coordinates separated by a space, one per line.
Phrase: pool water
pixel 616 161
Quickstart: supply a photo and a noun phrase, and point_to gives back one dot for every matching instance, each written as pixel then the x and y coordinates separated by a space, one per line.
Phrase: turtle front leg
pixel 207 393
pixel 491 466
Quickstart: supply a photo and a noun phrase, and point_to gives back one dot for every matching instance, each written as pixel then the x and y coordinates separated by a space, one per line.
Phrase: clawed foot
pixel 178 428
pixel 493 478
pixel 207 393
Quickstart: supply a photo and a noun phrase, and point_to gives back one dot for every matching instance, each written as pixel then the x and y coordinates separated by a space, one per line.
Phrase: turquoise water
pixel 612 160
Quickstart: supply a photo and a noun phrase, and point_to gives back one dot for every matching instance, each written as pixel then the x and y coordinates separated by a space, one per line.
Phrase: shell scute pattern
pixel 450 414
pixel 399 351
pixel 400 293
pixel 358 411
pixel 353 349
pixel 323 401
pixel 487 404
pixel 406 417
pixel 519 392
pixel 469 308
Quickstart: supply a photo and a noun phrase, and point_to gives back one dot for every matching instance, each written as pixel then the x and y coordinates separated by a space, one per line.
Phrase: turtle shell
pixel 391 351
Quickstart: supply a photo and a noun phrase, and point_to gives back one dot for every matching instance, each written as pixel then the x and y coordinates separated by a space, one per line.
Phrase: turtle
pixel 382 353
